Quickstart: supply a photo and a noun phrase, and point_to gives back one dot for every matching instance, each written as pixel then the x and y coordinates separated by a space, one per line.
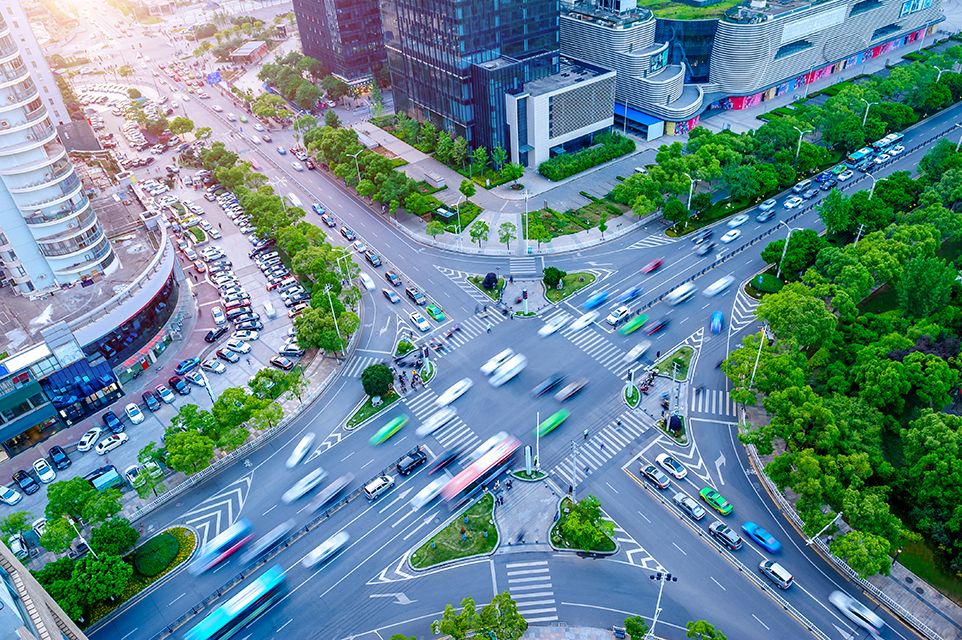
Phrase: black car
pixel 252 325
pixel 215 334
pixel 547 385
pixel 416 296
pixel 26 482
pixel 829 184
pixel 411 461
pixel 348 234
pixel 150 399
pixel 228 355
pixel 392 278
pixel 59 458
pixel 373 258
pixel 177 384
pixel 112 422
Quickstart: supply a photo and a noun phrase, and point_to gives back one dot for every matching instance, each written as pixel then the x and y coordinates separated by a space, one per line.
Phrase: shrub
pixel 156 554
pixel 552 276
pixel 490 281
pixel 377 379
pixel 767 283
pixel 608 147
pixel 403 347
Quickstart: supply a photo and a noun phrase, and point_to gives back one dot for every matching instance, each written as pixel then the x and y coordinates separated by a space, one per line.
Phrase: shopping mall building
pixel 687 58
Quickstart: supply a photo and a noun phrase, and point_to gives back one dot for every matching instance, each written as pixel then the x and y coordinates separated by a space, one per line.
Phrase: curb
pixel 578 552
pixel 449 563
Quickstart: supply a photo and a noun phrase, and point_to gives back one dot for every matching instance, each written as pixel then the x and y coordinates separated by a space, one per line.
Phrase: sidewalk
pixel 571 633
pixel 527 515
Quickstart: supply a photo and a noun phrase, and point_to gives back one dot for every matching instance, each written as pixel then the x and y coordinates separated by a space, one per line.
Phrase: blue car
pixel 595 301
pixel 318 209
pixel 764 539
pixel 112 422
pixel 717 322
pixel 184 366
pixel 629 295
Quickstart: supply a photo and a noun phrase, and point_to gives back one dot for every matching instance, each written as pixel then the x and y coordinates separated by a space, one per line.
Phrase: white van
pixel 269 310
pixel 295 201
pixel 802 186
pixel 377 486
pixel 776 573
pixel 508 370
pixel 682 293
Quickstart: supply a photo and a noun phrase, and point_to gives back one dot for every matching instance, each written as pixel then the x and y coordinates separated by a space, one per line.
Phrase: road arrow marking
pixel 400 598
pixel 719 463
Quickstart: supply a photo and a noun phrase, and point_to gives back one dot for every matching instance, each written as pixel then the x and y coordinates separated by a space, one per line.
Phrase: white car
pixel 768 204
pixel 552 325
pixel 793 202
pixel 297 166
pixel 846 175
pixel 454 392
pixel 488 367
pixel 857 612
pixel 304 485
pixel 89 439
pixel 244 335
pixel 326 549
pixel 300 451
pixel 738 220
pixel 437 420
pixel 44 471
pixel 731 236
pixel 134 413
pixel 39 526
pixel 896 150
pixel 258 126
pixel 718 286
pixel 508 370
pixel 584 321
pixel 110 443
pixel 367 281
pixel 616 316
pixel 9 496
pixel 359 246
pixel 231 117
pixel 672 466
pixel 195 377
pixel 214 366
pixel 882 158
pixel 131 473
pixel 637 351
pixel 420 322
pixel 430 492
pixel 238 346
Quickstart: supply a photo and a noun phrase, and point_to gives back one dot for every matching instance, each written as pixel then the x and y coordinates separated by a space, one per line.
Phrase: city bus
pixel 222 547
pixel 888 141
pixel 858 156
pixel 245 607
pixel 480 472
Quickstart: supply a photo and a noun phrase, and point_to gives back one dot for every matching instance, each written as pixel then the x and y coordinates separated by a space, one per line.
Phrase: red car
pixel 652 266
pixel 658 326
pixel 310 164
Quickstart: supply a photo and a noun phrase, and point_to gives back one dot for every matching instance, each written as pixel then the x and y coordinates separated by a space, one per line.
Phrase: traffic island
pixel 533 476
pixel 570 284
pixel 427 371
pixel 368 409
pixel 675 365
pixel 471 533
pixel 631 396
pixel 582 527
pixel 494 292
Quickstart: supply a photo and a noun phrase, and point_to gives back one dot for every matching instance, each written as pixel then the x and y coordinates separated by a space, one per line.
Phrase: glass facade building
pixel 343 34
pixel 690 43
pixel 452 61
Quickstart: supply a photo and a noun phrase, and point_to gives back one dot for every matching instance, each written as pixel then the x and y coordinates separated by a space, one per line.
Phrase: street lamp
pixel 525 225
pixel 758 356
pixel 778 274
pixel 356 166
pixel 691 189
pixel 458 207
pixel 871 191
pixel 867 106
pixel 662 578
pixel 815 537
pixel 327 290
pixel 941 71
pixel 801 134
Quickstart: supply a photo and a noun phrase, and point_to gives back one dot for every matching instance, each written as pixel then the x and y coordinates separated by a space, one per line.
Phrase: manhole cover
pixel 919 590
pixel 909 580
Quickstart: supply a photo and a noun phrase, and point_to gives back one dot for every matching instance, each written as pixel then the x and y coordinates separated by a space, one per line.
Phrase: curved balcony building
pixel 49 235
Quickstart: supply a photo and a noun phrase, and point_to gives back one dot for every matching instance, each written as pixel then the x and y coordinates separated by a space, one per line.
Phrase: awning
pixel 635 115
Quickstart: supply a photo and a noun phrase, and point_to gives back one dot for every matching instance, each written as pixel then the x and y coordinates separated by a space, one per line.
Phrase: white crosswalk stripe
pixel 637 555
pixel 713 401
pixel 597 345
pixel 743 312
pixel 522 266
pixel 529 584
pixel 654 240
pixel 356 366
pixel 454 434
pixel 601 446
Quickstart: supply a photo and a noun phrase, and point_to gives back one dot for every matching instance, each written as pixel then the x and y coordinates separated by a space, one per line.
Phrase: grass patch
pixel 559 541
pixel 525 314
pixel 403 347
pixel 632 396
pixel 469 211
pixel 534 475
pixel 919 558
pixel 186 542
pixel 682 356
pixel 494 294
pixel 368 410
pixel 571 221
pixel 156 554
pixel 570 284
pixel 763 284
pixel 398 162
pixel 427 371
pixel 198 233
pixel 480 536
pixel 669 9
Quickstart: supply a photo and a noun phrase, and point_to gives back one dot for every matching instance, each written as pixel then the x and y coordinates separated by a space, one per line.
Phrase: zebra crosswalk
pixel 522 266
pixel 356 365
pixel 471 328
pixel 601 446
pixel 455 434
pixel 594 344
pixel 529 584
pixel 743 312
pixel 654 240
pixel 712 401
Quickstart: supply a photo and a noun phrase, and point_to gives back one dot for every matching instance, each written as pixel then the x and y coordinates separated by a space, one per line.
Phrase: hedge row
pixel 608 146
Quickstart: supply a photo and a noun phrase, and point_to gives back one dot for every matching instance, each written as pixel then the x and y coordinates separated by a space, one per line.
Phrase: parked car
pixel 59 458
pixel 134 413
pixel 10 496
pixel 165 394
pixel 112 422
pixel 177 384
pixel 26 482
pixel 44 471
pixel 150 399
pixel 110 443
pixel 282 362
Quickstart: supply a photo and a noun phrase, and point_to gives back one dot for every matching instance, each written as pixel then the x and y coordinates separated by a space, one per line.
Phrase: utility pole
pixel 537 441
pixel 858 234
pixel 574 467
pixel 662 578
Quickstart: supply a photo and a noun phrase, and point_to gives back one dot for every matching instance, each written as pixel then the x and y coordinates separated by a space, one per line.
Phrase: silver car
pixel 326 549
pixel 305 484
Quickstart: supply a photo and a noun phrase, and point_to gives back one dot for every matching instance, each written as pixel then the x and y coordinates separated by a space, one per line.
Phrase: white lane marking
pixel 281 628
pixel 611 487
pixel 760 622
pixel 177 598
pixel 718 583
pixel 645 517
pixel 269 510
pixel 680 549
pixel 130 634
pixel 494 579
pixel 348 456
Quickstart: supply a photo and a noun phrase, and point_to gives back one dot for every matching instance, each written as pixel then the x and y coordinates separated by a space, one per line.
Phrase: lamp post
pixel 815 537
pixel 525 224
pixel 761 343
pixel 73 524
pixel 867 107
pixel 661 578
pixel 691 189
pixel 327 290
pixel 801 134
pixel 460 230
pixel 871 191
pixel 941 71
pixel 778 274
pixel 356 166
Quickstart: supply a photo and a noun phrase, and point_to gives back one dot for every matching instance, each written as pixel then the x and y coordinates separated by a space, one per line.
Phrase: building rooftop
pixel 590 12
pixel 248 48
pixel 676 10
pixel 21 319
pixel 569 73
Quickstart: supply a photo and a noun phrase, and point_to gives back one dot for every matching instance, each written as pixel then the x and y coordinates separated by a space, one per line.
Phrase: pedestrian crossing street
pixel 601 446
pixel 471 327
pixel 522 266
pixel 529 584
pixel 743 312
pixel 712 401
pixel 654 240
pixel 454 434
pixel 354 367
pixel 595 344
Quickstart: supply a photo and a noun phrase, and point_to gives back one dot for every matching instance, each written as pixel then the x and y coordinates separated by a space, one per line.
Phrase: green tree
pixel 297 382
pixel 114 537
pixel 836 213
pixel 674 210
pixel 15 523
pixel 552 276
pixel 795 312
pixel 152 453
pixel 102 506
pixel 133 93
pixel 203 133
pixel 603 223
pixel 512 171
pixel 267 416
pixel 506 233
pixel 181 125
pixel 335 88
pixel 59 535
pixel 479 232
pixel 586 526
pixel 499 156
pixel 925 286
pixel 270 105
pixel 267 384
pixel 443 147
pixel 102 578
pixel 189 451
pixel 434 229
pixel 459 151
pixel 702 630
pixel 331 119
pixel 68 497
pixel 234 407
pixel 467 188
pixel 501 618
pixel 479 160
pixel 636 627
pixel 307 95
pixel 190 417
pixel 377 380
pixel 803 247
pixel 315 329
pixel 866 553
pixel 457 624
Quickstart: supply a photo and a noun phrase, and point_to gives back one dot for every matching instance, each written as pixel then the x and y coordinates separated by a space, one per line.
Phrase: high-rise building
pixel 453 61
pixel 49 234
pixel 22 33
pixel 26 610
pixel 343 34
